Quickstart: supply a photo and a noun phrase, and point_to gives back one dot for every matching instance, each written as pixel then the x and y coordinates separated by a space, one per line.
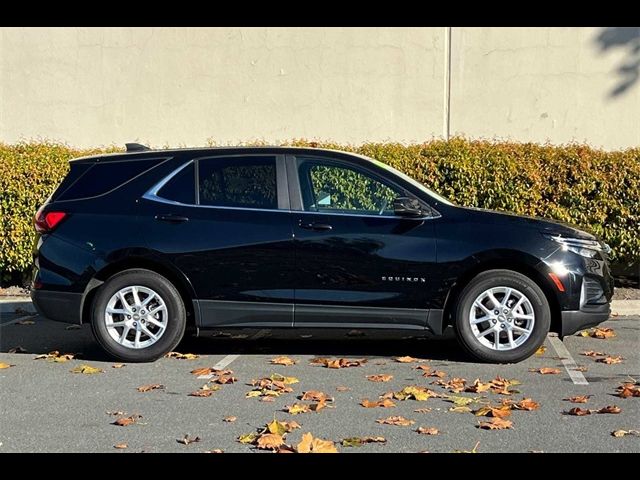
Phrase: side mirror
pixel 407 207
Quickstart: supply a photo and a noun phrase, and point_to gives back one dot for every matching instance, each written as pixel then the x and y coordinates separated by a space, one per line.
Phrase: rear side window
pixel 182 187
pixel 248 182
pixel 101 178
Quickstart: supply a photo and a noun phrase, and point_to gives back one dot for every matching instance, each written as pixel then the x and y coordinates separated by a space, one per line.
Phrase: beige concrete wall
pixel 543 84
pixel 182 86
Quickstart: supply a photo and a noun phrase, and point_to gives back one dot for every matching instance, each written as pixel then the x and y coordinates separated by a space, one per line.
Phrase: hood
pixel 543 225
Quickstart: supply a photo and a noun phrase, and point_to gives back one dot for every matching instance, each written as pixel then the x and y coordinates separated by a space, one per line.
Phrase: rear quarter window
pixel 101 178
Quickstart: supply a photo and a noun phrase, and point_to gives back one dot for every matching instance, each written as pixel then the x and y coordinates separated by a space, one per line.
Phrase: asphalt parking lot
pixel 44 407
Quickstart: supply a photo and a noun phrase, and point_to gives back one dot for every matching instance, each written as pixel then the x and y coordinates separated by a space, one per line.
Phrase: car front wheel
pixel 138 316
pixel 501 316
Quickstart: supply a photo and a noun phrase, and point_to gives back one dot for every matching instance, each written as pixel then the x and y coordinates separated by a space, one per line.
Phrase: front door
pixel 224 223
pixel 357 264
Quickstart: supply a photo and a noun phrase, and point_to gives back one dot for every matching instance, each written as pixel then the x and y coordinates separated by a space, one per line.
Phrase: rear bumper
pixel 575 320
pixel 59 306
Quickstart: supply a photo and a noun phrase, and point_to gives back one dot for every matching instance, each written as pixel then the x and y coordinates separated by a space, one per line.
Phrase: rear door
pixel 224 222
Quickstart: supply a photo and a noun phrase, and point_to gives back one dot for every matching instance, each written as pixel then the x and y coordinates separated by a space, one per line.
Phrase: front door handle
pixel 172 218
pixel 318 227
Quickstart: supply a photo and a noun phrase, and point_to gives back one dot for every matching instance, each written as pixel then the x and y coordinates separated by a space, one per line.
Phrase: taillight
pixel 47 222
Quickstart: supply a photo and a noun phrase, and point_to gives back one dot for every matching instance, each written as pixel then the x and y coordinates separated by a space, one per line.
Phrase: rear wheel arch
pixel 178 280
pixel 515 265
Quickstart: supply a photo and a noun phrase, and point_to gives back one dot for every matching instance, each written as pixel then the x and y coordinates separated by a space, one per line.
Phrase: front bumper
pixel 588 316
pixel 59 306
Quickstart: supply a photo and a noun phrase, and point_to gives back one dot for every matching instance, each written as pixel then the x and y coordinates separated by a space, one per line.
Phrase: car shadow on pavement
pixel 46 336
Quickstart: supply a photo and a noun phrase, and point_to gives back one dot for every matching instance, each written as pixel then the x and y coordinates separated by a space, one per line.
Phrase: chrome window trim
pixel 152 195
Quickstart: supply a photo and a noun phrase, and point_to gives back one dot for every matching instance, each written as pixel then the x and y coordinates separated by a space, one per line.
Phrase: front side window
pixel 335 188
pixel 245 182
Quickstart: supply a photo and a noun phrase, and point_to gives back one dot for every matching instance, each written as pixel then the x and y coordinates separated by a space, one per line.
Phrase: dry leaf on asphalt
pixel 478 386
pixel 182 356
pixel 360 441
pixel 126 421
pixel 26 322
pixel 579 412
pixel 622 433
pixel 18 349
pixel 269 441
pixel 338 362
pixel 86 370
pixel 342 388
pixel 627 390
pixel 202 371
pixel 55 356
pixel 315 396
pixel 420 394
pixel 201 393
pixel 286 361
pixel 6 365
pixel 592 353
pixel 281 428
pixel 599 332
pixel 116 413
pixel 120 446
pixel 395 420
pixel 215 450
pixel 148 388
pixel 473 450
pixel 408 359
pixel 609 360
pixel 496 424
pixel 525 404
pixel 456 384
pixel 381 377
pixel 546 370
pixel 496 412
pixel 578 399
pixel 609 409
pixel 187 439
pixel 118 365
pixel 541 350
pixel 384 403
pixel 581 368
pixel 309 444
pixel 248 438
pixel 460 409
pixel 461 401
pixel 297 408
pixel 428 431
pixel 422 410
pixel 229 419
pixel 501 385
pixel 436 373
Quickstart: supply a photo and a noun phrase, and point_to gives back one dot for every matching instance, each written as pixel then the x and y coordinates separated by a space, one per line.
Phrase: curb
pixel 9 305
pixel 625 307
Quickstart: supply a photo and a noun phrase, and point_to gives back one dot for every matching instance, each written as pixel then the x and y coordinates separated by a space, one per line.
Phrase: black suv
pixel 147 244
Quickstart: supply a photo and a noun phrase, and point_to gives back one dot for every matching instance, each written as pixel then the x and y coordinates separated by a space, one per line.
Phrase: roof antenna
pixel 136 147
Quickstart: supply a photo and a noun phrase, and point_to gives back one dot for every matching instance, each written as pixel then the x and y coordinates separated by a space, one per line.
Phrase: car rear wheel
pixel 138 316
pixel 501 316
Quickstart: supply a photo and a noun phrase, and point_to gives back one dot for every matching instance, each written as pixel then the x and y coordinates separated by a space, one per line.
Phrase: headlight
pixel 584 248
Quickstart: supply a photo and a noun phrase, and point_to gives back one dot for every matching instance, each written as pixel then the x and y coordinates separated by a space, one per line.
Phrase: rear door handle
pixel 172 218
pixel 318 227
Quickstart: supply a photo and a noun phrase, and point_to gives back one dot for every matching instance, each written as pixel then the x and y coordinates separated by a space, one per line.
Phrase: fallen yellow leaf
pixel 87 370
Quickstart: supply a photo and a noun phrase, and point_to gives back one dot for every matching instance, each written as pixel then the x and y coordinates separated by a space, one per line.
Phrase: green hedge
pixel 593 189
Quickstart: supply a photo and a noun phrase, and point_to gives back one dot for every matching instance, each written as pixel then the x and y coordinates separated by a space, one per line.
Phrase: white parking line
pixel 567 360
pixel 225 362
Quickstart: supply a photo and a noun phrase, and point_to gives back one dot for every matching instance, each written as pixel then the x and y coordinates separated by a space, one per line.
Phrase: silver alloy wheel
pixel 502 318
pixel 136 317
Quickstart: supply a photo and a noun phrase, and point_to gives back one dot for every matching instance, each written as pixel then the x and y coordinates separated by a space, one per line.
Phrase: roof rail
pixel 136 147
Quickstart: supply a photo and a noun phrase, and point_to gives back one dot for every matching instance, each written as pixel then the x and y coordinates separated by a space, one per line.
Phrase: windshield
pixel 410 180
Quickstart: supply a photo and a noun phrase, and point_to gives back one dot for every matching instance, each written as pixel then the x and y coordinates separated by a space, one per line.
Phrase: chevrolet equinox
pixel 146 245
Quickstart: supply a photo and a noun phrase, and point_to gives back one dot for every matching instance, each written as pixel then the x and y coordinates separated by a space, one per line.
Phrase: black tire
pixel 500 278
pixel 176 315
